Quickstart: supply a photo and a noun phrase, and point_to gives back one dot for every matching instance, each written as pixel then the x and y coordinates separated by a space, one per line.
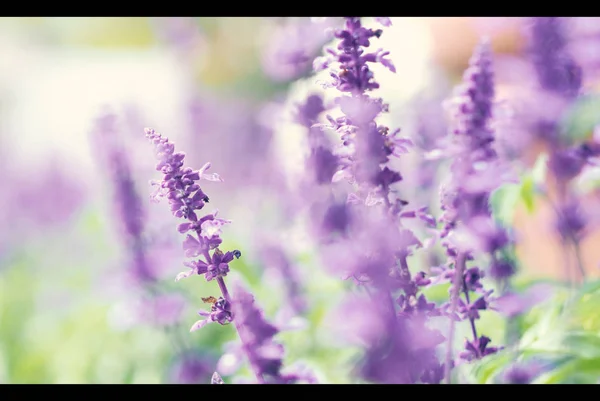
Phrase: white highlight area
pixel 55 101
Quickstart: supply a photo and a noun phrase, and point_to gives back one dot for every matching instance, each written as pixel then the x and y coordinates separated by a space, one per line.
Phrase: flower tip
pixel 148 130
pixel 385 21
pixel 183 275
pixel 216 379
pixel 199 324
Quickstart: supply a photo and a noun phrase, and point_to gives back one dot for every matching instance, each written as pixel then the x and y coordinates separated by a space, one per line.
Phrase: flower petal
pixel 216 379
pixel 184 275
pixel 200 324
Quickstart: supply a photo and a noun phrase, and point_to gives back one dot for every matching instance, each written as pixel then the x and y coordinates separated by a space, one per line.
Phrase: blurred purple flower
pixel 465 200
pixel 513 304
pixel 571 221
pixel 129 209
pixel 556 69
pixel 164 310
pixel 191 368
pixel 231 132
pixel 274 257
pixel 567 163
pixel 397 350
pixel 585 44
pixel 288 51
pixel 264 354
pixel 520 373
pixel 64 194
pixel 373 246
pixel 181 33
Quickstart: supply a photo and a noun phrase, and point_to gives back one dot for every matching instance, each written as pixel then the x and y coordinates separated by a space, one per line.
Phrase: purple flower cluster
pixel 557 71
pixel 370 220
pixel 114 160
pixel 560 76
pixel 265 355
pixel 466 214
pixel 585 45
pixel 289 50
pixel 355 76
pixel 179 186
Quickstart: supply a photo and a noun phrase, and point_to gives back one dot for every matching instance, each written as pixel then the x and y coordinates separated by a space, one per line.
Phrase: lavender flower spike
pixel 465 201
pixel 186 198
pixel 557 71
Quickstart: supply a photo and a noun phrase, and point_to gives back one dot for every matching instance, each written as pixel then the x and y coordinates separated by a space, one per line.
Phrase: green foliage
pixel 581 119
pixel 561 335
pixel 508 197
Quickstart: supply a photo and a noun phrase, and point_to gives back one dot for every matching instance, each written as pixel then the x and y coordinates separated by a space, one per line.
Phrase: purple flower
pixel 191 368
pixel 324 164
pixel 396 350
pixel 567 163
pixel 475 168
pixel 473 107
pixel 180 187
pixel 465 200
pixel 373 246
pixel 478 348
pixel 275 258
pixel 128 204
pixel 355 76
pixel 557 71
pixel 289 50
pixel 265 355
pixel 521 373
pixel 571 222
pixel 220 312
pixel 502 269
pixel 585 44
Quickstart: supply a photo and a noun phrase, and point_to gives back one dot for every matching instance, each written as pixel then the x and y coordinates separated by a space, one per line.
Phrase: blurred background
pixel 72 307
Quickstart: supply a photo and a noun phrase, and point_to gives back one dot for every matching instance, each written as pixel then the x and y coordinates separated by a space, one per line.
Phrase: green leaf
pixel 584 344
pixel 488 368
pixel 581 119
pixel 504 201
pixel 527 193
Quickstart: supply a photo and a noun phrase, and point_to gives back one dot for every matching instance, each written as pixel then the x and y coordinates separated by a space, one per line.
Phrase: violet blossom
pixel 556 69
pixel 288 51
pixel 371 218
pixel 465 201
pixel 191 368
pixel 126 198
pixel 559 75
pixel 584 44
pixel 186 198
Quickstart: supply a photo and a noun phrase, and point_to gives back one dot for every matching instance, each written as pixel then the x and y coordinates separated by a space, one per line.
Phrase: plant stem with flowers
pixel 179 186
pixel 363 160
pixel 467 219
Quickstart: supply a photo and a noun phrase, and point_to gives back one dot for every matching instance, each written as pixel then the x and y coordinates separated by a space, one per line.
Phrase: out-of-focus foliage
pixel 560 337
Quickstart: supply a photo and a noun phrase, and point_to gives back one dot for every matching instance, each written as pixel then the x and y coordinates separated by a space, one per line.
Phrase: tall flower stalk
pixel 560 77
pixel 186 198
pixel 370 221
pixel 162 309
pixel 466 217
